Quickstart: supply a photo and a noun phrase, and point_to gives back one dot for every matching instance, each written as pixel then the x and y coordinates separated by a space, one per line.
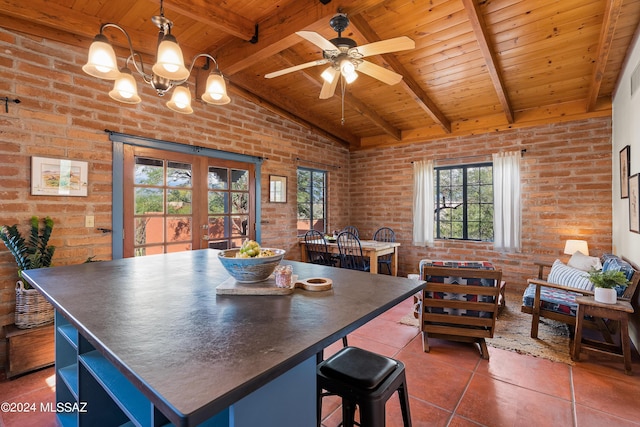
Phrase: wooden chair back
pixel 464 310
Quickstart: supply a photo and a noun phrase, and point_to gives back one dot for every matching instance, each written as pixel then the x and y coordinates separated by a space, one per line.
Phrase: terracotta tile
pixel 388 332
pixel 438 383
pixel 422 414
pixel 492 402
pixel 10 389
pixel 461 355
pixel 458 421
pixel 36 417
pixel 620 391
pixel 509 366
pixel 588 417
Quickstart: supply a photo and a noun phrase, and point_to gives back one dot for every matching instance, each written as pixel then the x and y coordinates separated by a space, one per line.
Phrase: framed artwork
pixel 634 203
pixel 58 177
pixel 277 189
pixel 625 165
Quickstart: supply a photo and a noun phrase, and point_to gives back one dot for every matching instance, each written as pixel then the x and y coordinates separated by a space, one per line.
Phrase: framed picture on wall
pixel 277 189
pixel 58 177
pixel 634 203
pixel 625 164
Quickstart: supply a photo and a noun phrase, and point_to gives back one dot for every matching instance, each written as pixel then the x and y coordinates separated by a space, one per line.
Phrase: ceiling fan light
pixel 125 88
pixel 170 62
pixel 328 75
pixel 216 89
pixel 347 67
pixel 350 77
pixel 181 100
pixel 101 61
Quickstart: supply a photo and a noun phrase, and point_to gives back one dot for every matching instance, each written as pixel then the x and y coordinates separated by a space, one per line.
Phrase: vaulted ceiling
pixel 478 65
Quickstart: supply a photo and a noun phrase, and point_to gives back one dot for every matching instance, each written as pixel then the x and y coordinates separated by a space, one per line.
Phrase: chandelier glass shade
pixel 168 72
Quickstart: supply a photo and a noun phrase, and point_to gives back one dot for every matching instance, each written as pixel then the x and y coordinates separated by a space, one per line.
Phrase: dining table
pixel 148 341
pixel 371 249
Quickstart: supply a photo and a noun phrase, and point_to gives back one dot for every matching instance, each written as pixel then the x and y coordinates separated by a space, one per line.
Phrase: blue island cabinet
pixel 90 391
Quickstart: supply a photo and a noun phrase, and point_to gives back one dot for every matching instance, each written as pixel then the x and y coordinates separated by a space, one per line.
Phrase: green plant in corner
pixel 34 252
pixel 607 279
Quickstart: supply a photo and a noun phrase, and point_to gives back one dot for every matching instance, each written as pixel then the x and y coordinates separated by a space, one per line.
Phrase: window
pixel 312 200
pixel 464 202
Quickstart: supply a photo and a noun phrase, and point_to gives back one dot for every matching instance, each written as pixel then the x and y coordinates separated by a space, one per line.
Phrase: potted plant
pixel 32 309
pixel 605 284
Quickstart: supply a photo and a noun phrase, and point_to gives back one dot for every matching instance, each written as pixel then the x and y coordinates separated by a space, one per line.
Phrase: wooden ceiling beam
pixel 290 60
pixel 215 16
pixel 482 35
pixel 409 84
pixel 611 13
pixel 277 32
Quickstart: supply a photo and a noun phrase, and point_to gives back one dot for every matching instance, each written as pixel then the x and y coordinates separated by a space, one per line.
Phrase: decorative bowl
pixel 250 270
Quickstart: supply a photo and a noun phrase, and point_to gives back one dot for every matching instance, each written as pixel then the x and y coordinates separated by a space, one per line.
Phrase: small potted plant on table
pixel 605 284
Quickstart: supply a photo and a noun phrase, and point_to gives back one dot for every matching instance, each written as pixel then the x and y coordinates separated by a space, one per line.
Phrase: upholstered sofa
pixel 554 296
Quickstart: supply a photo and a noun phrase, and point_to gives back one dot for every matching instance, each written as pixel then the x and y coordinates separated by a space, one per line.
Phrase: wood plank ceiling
pixel 478 65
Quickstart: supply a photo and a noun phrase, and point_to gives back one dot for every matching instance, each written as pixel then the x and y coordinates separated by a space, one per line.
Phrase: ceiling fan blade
pixel 317 39
pixel 377 72
pixel 295 68
pixel 386 46
pixel 328 89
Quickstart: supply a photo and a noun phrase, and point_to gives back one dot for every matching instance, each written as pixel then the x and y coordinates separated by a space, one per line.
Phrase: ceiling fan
pixel 344 57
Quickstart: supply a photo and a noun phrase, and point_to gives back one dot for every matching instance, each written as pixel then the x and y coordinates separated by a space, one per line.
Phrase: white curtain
pixel 423 203
pixel 507 218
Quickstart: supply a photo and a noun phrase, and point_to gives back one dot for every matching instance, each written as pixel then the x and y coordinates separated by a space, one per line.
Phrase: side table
pixel 588 306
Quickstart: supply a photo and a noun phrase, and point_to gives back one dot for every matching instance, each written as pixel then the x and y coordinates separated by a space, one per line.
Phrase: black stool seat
pixel 367 380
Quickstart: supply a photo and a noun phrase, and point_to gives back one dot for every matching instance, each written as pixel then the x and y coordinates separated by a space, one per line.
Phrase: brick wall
pixel 566 193
pixel 63 113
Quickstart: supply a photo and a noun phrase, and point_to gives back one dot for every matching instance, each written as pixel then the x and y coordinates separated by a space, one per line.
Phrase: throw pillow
pixel 584 262
pixel 562 274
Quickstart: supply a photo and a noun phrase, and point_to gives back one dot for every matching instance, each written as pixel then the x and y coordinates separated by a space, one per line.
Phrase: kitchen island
pixel 147 340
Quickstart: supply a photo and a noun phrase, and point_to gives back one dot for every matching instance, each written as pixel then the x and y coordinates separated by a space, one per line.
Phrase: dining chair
pixel 352 229
pixel 384 234
pixel 351 252
pixel 316 247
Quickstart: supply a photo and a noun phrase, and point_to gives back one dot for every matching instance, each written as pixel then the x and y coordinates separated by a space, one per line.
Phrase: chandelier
pixel 168 72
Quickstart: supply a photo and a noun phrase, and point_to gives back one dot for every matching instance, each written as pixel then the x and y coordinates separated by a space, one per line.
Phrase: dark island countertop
pixel 192 352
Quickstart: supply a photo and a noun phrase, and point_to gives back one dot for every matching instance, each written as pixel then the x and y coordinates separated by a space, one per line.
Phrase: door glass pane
pixel 239 225
pixel 148 201
pixel 218 178
pixel 178 229
pixel 179 202
pixel 217 227
pixel 218 202
pixel 148 171
pixel 148 230
pixel 239 180
pixel 178 174
pixel 240 202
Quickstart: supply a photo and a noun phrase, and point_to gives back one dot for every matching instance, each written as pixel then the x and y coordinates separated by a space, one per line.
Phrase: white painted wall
pixel 626 131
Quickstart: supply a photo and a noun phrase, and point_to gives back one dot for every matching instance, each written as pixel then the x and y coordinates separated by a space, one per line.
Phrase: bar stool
pixel 365 379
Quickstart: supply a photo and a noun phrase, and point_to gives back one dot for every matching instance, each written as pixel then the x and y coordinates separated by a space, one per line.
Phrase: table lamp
pixel 573 246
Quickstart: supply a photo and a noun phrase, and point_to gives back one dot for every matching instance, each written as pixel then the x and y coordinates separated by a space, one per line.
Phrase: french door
pixel 177 202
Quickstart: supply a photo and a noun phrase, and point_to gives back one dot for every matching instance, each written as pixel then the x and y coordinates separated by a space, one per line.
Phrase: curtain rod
pixel 524 150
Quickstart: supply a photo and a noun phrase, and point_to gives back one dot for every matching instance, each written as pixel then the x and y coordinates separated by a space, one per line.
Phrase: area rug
pixel 513 332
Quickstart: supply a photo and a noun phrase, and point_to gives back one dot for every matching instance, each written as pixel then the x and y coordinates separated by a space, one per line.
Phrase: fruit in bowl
pixel 250 263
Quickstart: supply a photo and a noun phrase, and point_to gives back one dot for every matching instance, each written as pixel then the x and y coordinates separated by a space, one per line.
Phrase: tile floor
pixel 450 386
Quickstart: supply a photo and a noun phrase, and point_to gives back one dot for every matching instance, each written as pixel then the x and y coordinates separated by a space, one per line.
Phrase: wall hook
pixel 6 102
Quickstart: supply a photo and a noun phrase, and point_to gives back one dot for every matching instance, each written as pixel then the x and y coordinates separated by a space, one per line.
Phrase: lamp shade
pixel 573 246
pixel 181 100
pixel 216 90
pixel 101 62
pixel 170 62
pixel 125 88
pixel 329 74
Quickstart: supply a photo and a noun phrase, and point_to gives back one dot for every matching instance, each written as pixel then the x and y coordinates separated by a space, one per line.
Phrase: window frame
pixel 324 193
pixel 465 201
